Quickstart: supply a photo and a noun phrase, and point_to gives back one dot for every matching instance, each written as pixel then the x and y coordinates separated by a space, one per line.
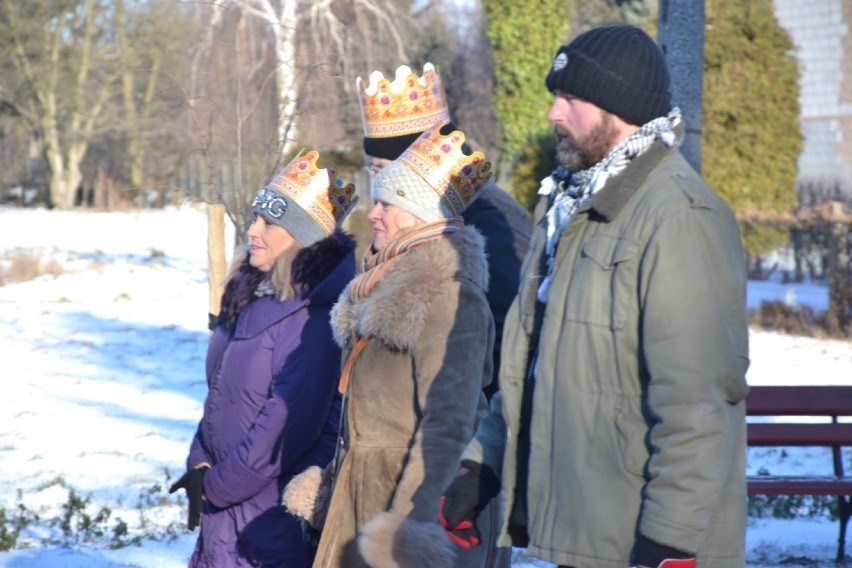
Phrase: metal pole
pixel 681 37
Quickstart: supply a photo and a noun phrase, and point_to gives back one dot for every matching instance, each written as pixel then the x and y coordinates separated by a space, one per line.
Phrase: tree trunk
pixel 286 51
pixel 840 278
pixel 284 23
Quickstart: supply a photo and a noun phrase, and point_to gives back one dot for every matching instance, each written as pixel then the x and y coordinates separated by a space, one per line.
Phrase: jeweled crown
pixel 408 105
pixel 439 160
pixel 318 192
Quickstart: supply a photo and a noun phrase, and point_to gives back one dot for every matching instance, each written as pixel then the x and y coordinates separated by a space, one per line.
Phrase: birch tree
pixel 235 106
pixel 256 51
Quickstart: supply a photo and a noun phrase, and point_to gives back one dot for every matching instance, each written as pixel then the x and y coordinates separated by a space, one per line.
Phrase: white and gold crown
pixel 408 105
pixel 310 202
pixel 434 178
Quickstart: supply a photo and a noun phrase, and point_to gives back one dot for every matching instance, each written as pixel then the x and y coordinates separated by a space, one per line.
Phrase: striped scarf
pixel 575 188
pixel 376 264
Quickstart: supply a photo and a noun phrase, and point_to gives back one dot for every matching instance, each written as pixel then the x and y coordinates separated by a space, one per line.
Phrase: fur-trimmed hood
pixel 396 311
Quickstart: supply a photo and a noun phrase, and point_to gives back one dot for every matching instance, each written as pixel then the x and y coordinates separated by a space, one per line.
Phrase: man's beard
pixel 582 154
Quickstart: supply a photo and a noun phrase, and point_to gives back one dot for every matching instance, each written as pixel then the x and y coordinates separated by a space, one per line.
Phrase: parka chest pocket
pixel 603 282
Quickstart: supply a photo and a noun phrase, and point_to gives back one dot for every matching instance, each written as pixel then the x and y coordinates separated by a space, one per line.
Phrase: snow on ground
pixel 103 385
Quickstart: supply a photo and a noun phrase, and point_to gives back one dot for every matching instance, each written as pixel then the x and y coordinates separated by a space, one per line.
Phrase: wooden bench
pixel 821 401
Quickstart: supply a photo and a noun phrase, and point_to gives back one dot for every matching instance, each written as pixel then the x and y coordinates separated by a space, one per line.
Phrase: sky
pixel 103 386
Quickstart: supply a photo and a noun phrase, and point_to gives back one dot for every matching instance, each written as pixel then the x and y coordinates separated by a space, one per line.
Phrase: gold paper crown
pixel 408 105
pixel 318 192
pixel 439 160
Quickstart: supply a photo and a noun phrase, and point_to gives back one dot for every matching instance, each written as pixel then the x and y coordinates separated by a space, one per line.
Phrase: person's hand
pixel 467 495
pixel 193 483
pixel 651 554
pixel 673 563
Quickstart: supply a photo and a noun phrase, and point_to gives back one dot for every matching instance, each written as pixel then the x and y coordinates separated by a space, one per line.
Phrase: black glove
pixel 193 482
pixel 656 555
pixel 466 497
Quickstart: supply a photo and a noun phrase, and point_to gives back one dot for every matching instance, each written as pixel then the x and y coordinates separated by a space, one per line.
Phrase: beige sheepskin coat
pixel 415 395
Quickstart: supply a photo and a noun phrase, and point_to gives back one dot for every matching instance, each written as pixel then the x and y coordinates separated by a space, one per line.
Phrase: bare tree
pixel 234 108
pixel 470 81
pixel 147 41
pixel 340 41
pixel 281 20
pixel 261 65
pixel 58 80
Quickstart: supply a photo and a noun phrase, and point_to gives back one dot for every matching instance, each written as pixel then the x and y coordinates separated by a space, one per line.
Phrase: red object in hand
pixel 466 496
pixel 464 533
pixel 677 563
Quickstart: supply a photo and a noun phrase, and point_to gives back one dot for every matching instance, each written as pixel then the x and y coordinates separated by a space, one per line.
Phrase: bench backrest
pixel 799 401
pixel 830 401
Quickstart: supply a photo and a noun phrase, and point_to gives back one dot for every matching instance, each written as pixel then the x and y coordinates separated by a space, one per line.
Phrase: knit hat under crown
pixel 617 68
pixel 436 177
pixel 309 202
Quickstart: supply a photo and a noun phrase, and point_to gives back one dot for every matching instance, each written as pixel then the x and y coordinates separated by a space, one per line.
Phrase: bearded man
pixel 621 437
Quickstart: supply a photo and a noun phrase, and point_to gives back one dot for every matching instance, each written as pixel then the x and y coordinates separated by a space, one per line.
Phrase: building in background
pixel 821 30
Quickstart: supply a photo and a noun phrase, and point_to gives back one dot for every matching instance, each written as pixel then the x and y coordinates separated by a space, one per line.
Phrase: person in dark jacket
pixel 394 113
pixel 272 408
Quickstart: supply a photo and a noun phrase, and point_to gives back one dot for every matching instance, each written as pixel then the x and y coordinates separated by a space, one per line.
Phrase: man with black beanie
pixel 621 439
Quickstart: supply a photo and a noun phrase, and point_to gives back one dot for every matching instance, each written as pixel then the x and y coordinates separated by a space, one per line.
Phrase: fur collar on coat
pixel 396 311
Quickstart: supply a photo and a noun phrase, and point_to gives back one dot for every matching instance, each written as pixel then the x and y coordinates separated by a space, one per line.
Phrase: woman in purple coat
pixel 272 407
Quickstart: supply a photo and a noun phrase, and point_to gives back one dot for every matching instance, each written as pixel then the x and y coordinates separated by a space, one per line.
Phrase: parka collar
pixel 620 188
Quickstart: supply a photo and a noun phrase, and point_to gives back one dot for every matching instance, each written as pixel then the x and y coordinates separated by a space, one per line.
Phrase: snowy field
pixel 103 385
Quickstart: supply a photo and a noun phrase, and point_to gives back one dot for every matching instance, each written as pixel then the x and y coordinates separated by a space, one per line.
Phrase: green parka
pixel 638 420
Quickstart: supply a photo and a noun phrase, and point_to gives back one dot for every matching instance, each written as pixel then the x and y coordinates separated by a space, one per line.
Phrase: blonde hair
pixel 280 275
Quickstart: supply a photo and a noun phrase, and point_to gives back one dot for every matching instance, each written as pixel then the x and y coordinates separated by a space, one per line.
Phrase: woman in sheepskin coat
pixel 420 312
pixel 272 370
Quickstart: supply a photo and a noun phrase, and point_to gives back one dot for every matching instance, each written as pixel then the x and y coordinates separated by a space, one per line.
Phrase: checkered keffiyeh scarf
pixel 572 189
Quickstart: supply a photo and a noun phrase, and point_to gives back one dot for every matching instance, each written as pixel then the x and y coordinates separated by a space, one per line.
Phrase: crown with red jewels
pixel 434 178
pixel 408 105
pixel 308 201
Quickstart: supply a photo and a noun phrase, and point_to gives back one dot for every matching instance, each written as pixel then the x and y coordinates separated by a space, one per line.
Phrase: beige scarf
pixel 376 264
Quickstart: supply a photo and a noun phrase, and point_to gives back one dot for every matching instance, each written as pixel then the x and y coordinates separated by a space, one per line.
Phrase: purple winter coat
pixel 272 410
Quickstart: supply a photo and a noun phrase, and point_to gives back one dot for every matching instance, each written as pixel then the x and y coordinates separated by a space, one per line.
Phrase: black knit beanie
pixel 617 68
pixel 392 147
pixel 389 148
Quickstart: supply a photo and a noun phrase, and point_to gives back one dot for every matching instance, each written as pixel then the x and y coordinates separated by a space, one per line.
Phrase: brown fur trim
pixel 390 540
pixel 396 311
pixel 307 496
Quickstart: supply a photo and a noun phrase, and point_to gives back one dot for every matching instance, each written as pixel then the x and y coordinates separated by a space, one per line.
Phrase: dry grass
pixel 798 320
pixel 22 265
